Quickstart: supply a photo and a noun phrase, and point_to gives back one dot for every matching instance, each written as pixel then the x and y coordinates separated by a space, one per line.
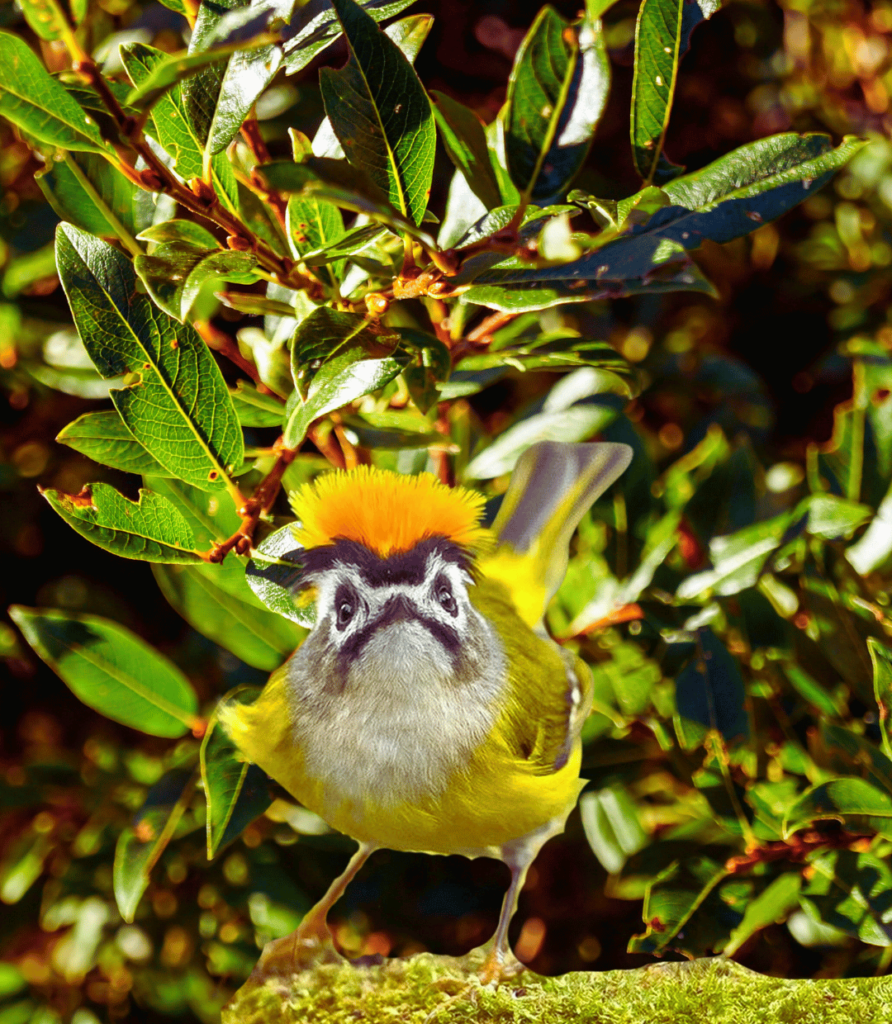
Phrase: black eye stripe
pixel 442 632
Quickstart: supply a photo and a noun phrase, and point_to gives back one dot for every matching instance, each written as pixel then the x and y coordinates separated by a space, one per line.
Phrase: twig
pixel 257 145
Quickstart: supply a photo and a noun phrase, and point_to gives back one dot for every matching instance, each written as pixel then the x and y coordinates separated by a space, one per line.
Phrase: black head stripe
pixel 404 567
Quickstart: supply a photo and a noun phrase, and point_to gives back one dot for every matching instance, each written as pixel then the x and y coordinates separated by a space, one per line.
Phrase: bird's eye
pixel 345 606
pixel 444 595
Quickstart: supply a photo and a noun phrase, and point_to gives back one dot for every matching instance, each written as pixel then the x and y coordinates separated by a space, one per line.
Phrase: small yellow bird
pixel 428 709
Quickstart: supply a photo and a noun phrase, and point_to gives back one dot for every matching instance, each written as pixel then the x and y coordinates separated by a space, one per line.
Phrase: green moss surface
pixel 428 989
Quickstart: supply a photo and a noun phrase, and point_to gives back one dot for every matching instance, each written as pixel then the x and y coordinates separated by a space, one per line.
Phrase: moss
pixel 429 989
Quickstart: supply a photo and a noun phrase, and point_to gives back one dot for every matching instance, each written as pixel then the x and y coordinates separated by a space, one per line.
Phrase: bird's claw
pixel 299 951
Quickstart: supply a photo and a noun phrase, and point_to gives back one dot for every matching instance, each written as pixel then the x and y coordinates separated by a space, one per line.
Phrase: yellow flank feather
pixel 387 512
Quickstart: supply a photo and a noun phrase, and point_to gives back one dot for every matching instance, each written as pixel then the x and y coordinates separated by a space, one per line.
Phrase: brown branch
pixel 257 145
pixel 794 849
pixel 483 332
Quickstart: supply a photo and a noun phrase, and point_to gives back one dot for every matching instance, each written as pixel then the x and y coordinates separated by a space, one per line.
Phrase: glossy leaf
pixel 312 225
pixel 556 95
pixel 849 800
pixel 176 403
pixel 141 844
pixel 612 827
pixel 709 694
pixel 881 660
pixel 111 670
pixel 102 437
pixel 273 572
pixel 175 274
pixel 236 792
pixel 239 624
pixel 842 750
pixel 149 529
pixel 852 892
pixel 256 409
pixel 38 104
pixel 774 903
pixel 661 37
pixel 381 114
pixel 464 138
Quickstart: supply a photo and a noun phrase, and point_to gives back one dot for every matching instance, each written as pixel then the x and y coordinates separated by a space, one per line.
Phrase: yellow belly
pixel 492 800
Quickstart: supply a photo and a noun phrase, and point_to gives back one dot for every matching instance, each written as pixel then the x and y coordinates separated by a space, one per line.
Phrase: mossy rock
pixel 428 989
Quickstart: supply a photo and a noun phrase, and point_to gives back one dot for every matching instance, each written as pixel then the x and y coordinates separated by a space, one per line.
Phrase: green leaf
pixel 237 623
pixel 753 185
pixel 176 405
pixel 175 274
pixel 464 138
pixel 338 182
pixel 611 822
pixel 236 792
pixel 774 903
pixel 173 129
pixel 556 95
pixel 881 660
pixel 141 844
pixel 102 437
pixel 852 892
pixel 850 800
pixel 180 232
pixel 833 518
pixel 845 751
pixel 874 546
pixel 709 694
pixel 380 113
pixel 313 225
pixel 38 104
pixel 45 18
pixel 90 193
pixel 272 574
pixel 432 366
pixel 254 408
pixel 111 670
pixel 150 529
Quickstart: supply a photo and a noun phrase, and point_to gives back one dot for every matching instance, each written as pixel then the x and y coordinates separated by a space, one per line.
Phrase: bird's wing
pixel 549 691
pixel 552 487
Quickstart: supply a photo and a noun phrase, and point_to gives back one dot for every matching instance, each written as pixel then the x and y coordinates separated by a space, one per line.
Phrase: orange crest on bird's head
pixel 387 512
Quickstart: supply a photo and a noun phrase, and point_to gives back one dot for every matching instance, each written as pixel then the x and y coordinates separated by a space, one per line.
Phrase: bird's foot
pixel 500 965
pixel 300 951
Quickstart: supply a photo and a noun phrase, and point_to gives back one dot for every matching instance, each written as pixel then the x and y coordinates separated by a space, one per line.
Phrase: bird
pixel 428 709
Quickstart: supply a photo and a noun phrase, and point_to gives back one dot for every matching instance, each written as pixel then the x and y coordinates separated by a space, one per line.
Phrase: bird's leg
pixel 500 961
pixel 312 940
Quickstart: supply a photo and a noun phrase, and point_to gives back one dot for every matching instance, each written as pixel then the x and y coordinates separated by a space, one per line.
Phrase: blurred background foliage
pixel 764 414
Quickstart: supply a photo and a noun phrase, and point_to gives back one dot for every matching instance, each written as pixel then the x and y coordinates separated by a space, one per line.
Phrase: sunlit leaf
pixel 102 437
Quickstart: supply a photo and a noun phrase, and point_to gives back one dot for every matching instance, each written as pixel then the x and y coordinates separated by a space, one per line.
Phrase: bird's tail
pixel 552 487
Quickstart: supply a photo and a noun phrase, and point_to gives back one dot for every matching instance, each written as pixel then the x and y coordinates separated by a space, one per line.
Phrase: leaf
pixel 45 18
pixel 111 670
pixel 432 367
pixel 182 232
pixel 38 104
pixel 313 225
pixel 881 660
pixel 172 127
pixel 102 437
pixel 833 518
pixel 236 792
pixel 239 624
pixel 464 139
pixel 874 546
pixel 141 844
pixel 842 750
pixel 380 113
pixel 852 892
pixel 254 408
pixel 336 181
pixel 177 405
pixel 556 95
pixel 612 827
pixel 774 903
pixel 752 185
pixel 149 529
pixel 709 694
pixel 272 574
pixel 90 193
pixel 661 38
pixel 175 274
pixel 850 800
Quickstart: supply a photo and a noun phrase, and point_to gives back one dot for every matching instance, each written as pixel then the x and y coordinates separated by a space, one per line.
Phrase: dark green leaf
pixel 845 751
pixel 38 104
pixel 774 903
pixel 102 437
pixel 881 660
pixel 237 623
pixel 150 529
pixel 464 137
pixel 111 670
pixel 176 404
pixel 141 844
pixel 849 800
pixel 236 792
pixel 175 274
pixel 313 225
pixel 180 232
pixel 709 694
pixel 273 573
pixel 432 366
pixel 556 95
pixel 852 892
pixel 381 114
pixel 256 409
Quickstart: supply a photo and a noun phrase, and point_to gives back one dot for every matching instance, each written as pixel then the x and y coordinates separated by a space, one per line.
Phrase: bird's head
pixel 389 560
